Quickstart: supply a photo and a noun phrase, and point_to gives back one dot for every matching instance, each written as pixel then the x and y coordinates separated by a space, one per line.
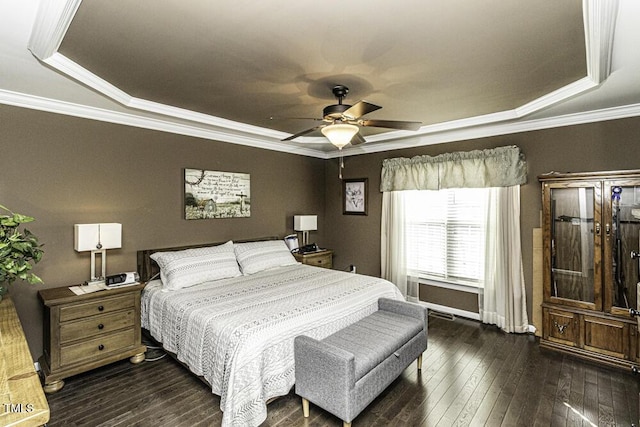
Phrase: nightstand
pixel 322 258
pixel 83 332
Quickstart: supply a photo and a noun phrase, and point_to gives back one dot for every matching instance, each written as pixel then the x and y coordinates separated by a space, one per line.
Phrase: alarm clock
pixel 122 279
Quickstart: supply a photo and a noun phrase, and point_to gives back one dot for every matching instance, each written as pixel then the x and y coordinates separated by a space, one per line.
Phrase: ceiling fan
pixel 342 121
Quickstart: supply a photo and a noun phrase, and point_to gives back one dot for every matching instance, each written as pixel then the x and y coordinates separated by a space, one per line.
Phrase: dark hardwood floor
pixel 472 375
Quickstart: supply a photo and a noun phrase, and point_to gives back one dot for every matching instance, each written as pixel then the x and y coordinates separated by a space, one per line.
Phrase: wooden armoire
pixel 591 236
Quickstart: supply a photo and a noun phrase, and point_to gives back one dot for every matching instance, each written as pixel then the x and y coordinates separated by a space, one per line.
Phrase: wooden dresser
pixel 83 332
pixel 322 258
pixel 21 397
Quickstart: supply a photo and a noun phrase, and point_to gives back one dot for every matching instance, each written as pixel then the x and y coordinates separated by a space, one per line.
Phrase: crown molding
pixel 569 91
pixel 541 103
pixel 495 129
pixel 52 22
pixel 160 124
pixel 599 27
pixel 438 133
pixel 81 74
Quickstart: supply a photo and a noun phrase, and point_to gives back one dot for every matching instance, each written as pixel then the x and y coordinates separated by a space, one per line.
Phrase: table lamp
pixel 305 223
pixel 97 238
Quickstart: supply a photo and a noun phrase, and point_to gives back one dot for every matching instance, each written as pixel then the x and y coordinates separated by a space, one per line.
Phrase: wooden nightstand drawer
pixel 323 258
pixel 94 325
pixel 105 305
pixel 100 346
pixel 321 261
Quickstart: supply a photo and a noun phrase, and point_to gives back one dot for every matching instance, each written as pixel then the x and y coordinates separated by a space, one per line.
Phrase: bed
pixel 237 332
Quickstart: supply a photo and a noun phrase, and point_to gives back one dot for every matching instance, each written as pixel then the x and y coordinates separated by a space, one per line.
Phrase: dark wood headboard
pixel 147 268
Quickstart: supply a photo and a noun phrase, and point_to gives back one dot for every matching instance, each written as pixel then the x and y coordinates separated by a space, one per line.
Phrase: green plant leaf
pixel 34 280
pixel 21 219
pixel 7 221
pixel 19 250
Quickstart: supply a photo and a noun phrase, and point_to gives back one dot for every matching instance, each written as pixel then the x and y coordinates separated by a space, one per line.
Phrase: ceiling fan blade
pixel 295 118
pixel 391 124
pixel 357 139
pixel 304 132
pixel 360 109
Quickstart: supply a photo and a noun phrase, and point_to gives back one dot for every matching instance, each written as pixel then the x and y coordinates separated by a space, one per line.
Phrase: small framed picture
pixel 355 193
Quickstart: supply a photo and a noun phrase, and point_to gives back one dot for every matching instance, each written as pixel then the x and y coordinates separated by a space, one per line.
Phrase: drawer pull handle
pixel 100 326
pixel 100 308
pixel 100 347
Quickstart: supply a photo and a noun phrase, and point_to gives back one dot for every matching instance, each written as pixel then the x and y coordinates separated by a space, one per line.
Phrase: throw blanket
pixel 238 333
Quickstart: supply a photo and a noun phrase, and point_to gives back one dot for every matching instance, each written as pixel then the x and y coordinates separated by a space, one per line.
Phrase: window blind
pixel 445 234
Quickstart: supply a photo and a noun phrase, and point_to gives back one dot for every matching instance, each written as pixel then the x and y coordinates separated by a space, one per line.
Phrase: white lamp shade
pixel 339 134
pixel 305 222
pixel 93 237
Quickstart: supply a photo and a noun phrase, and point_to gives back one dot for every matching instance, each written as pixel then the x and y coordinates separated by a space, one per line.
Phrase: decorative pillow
pixel 258 256
pixel 181 269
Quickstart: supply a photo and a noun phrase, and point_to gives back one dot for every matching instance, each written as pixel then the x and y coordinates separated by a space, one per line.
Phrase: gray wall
pixel 612 145
pixel 64 170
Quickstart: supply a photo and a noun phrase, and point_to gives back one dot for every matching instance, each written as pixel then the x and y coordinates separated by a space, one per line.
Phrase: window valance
pixel 496 167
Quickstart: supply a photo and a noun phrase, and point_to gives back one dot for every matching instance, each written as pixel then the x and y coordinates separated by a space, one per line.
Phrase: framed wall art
pixel 213 194
pixel 355 193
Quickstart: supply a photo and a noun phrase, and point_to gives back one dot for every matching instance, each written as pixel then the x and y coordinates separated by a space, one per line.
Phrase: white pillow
pixel 181 269
pixel 254 257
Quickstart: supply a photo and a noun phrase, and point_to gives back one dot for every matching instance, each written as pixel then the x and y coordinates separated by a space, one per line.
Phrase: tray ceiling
pixel 428 61
pixel 247 73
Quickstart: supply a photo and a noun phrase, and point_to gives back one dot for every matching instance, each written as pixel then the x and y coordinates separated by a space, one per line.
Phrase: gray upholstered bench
pixel 346 371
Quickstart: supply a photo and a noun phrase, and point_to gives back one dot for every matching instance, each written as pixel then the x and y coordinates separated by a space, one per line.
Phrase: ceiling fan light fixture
pixel 339 134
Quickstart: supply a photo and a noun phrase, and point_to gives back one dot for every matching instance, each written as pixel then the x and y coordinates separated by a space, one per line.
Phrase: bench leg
pixel 420 363
pixel 305 412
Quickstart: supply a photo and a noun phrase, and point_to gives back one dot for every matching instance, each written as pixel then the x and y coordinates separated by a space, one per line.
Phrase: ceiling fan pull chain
pixel 341 167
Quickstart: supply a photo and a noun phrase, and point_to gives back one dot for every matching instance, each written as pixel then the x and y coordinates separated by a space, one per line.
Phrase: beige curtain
pixel 393 245
pixel 392 249
pixel 502 301
pixel 497 167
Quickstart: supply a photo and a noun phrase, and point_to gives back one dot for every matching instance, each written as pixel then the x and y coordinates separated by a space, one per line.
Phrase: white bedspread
pixel 238 333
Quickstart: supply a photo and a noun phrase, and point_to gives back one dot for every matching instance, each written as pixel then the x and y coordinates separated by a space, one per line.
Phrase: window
pixel 445 234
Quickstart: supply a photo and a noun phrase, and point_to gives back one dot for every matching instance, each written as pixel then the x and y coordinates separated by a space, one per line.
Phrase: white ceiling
pixel 219 70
